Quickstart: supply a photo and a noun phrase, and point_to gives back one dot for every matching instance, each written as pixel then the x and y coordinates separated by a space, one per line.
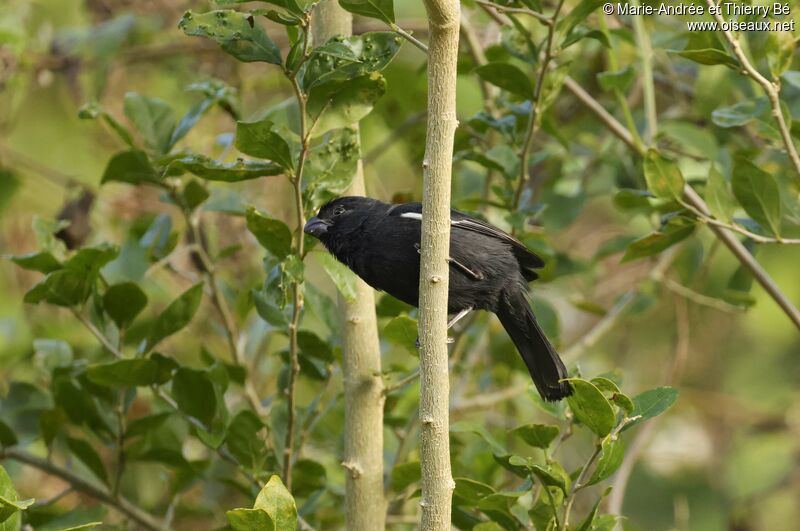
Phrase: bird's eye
pixel 338 211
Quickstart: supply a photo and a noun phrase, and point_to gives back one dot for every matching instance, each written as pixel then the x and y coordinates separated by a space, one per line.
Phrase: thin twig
pixel 297 293
pixel 535 115
pixel 772 88
pixel 758 238
pixel 77 483
pixel 544 19
pixel 96 333
pixel 410 38
pixel 734 245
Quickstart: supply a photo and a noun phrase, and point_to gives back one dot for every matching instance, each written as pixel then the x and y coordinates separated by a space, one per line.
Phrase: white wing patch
pixel 412 215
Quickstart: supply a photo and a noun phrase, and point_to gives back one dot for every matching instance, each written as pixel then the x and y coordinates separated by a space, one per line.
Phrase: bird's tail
pixel 540 357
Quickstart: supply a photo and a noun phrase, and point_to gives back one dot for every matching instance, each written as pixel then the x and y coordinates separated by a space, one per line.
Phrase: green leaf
pixel 250 520
pixel 758 193
pixel 89 457
pixel 154 120
pixel 331 166
pixel 237 34
pixel 677 228
pixel 144 425
pixel 308 477
pixel 291 6
pixel 130 167
pixel 176 316
pixel 718 196
pixel 577 15
pixel 610 460
pixel 338 104
pixel 617 80
pixel 257 139
pixel 341 59
pixel 52 353
pixel 278 503
pixel 123 302
pixel 780 49
pixel 194 393
pixel 9 506
pixel 216 93
pixel 344 279
pixel 739 114
pixel 92 111
pixel 41 261
pixel 591 518
pixel 7 435
pixel 405 474
pixel 536 435
pixel 312 346
pixel 402 331
pixel 243 440
pixel 271 233
pixel 591 407
pixel 551 476
pixel 469 492
pixel 652 403
pixel 709 56
pixel 380 9
pixel 268 310
pixel 229 172
pixel 508 77
pixel 663 176
pixel 194 194
pixel 138 372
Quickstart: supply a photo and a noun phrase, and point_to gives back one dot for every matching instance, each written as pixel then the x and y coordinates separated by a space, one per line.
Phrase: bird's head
pixel 339 217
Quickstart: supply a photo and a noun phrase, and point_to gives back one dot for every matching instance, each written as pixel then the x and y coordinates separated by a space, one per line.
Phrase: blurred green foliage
pixel 151 356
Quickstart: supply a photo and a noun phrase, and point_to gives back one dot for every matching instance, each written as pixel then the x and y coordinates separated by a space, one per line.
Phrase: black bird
pixel 489 270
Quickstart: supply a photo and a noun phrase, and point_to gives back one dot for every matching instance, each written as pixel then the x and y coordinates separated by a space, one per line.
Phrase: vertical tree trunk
pixel 365 507
pixel 437 480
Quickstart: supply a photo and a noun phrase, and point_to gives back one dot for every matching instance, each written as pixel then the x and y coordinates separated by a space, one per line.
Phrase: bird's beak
pixel 316 227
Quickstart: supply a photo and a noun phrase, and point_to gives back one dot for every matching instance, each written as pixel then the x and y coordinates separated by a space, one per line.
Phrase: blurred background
pixel 725 457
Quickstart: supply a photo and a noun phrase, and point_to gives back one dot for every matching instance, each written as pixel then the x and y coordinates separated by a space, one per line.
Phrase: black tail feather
pixel 540 357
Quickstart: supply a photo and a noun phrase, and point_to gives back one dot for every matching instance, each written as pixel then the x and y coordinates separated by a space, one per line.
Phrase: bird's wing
pixel 458 220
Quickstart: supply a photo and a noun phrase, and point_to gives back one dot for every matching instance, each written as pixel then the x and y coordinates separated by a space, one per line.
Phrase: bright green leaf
pixel 229 172
pixel 337 104
pixel 250 520
pixel 271 233
pixel 130 167
pixel 402 331
pixel 652 403
pixel 610 460
pixel 154 120
pixel 780 50
pixel 257 139
pixel 344 279
pixel 41 261
pixel 718 196
pixel 709 56
pixel 380 9
pixel 536 435
pixel 591 407
pixel 617 80
pixel 279 504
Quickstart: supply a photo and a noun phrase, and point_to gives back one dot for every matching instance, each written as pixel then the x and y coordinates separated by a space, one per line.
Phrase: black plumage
pixel 489 270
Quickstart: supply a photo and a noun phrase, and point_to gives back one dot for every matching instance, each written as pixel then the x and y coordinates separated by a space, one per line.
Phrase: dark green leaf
pixel 144 425
pixel 758 193
pixel 308 477
pixel 341 59
pixel 89 457
pixel 243 440
pixel 257 139
pixel 130 167
pixel 718 196
pixel 154 120
pixel 138 371
pixel 537 435
pixel 123 302
pixel 550 476
pixel 7 436
pixel 229 172
pixel 739 114
pixel 663 176
pixel 176 316
pixel 279 504
pixel 41 261
pixel 652 403
pixel 194 393
pixel 402 331
pixel 709 56
pixel 617 80
pixel 405 475
pixel 677 229
pixel 250 520
pixel 337 104
pixel 591 407
pixel 92 111
pixel 235 32
pixel 508 77
pixel 380 9
pixel 311 345
pixel 331 166
pixel 271 233
pixel 469 492
pixel 268 310
pixel 194 194
pixel 610 460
